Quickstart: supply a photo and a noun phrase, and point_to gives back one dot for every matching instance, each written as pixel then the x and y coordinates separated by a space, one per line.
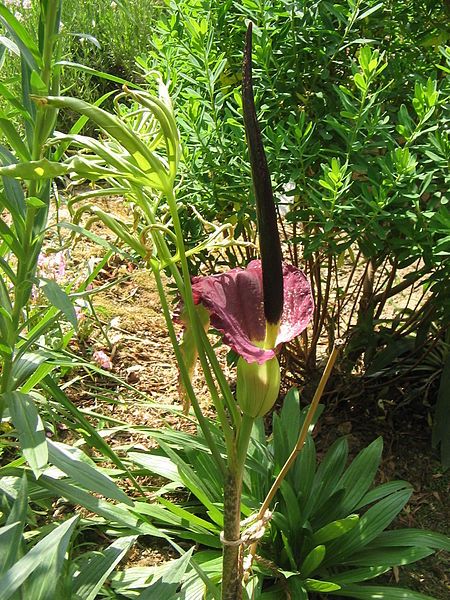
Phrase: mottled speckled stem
pixel 232 564
pixel 232 559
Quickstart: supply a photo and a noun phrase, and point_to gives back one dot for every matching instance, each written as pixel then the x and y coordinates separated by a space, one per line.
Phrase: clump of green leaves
pixel 328 531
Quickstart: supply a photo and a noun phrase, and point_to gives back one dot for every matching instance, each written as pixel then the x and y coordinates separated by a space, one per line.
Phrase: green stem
pixel 244 435
pixel 45 116
pixel 164 252
pixel 26 266
pixel 205 347
pixel 224 387
pixel 99 323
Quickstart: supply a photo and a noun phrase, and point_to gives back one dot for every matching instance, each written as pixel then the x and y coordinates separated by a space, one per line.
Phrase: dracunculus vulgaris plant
pixel 257 309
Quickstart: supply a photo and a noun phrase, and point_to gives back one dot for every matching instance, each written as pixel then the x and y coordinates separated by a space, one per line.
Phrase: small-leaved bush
pixel 353 101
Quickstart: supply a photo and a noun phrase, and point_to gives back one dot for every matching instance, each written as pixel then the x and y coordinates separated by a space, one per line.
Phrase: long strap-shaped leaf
pixel 112 125
pixel 47 556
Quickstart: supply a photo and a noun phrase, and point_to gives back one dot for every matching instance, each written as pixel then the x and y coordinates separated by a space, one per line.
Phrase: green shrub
pixel 104 36
pixel 353 102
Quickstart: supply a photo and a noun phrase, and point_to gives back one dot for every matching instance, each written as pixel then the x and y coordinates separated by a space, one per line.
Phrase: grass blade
pixel 166 587
pixel 73 462
pixel 375 592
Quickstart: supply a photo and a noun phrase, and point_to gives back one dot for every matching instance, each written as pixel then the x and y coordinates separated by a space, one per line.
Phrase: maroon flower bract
pixel 235 302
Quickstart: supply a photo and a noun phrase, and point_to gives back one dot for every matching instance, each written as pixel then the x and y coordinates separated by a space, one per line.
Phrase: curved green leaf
pixel 59 299
pixel 70 461
pixel 26 364
pixel 34 170
pixel 111 512
pixel 116 128
pixel 327 476
pixel 14 139
pixel 335 529
pixel 313 560
pixel 360 474
pixel 374 592
pixel 165 587
pixel 43 562
pixel 370 525
pixel 381 491
pixel 30 430
pixel 10 540
pixel 314 585
pixel 89 581
pixel 388 557
pixel 412 537
pixel 23 39
pixel 360 574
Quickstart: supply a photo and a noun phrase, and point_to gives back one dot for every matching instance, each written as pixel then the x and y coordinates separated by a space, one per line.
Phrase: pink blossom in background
pixel 102 359
pixel 52 266
pixel 79 311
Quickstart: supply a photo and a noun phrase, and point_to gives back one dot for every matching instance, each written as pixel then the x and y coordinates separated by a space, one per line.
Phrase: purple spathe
pixel 235 302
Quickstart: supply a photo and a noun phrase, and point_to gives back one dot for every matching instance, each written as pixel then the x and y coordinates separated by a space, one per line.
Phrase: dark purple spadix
pixel 269 238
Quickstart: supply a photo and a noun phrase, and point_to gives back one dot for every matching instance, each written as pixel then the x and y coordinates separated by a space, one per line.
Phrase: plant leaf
pixel 381 491
pixel 165 587
pixel 30 430
pixel 89 581
pixel 412 537
pixel 14 139
pixel 335 529
pixel 159 465
pixel 441 424
pixel 327 476
pixel 60 300
pixel 359 476
pixel 111 512
pixel 34 169
pixel 370 525
pixel 388 557
pixel 193 483
pixel 313 560
pixel 90 434
pixel 10 540
pixel 69 460
pixel 23 39
pixel 375 592
pixel 314 585
pixel 26 364
pixel 357 575
pixel 17 516
pixel 44 561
